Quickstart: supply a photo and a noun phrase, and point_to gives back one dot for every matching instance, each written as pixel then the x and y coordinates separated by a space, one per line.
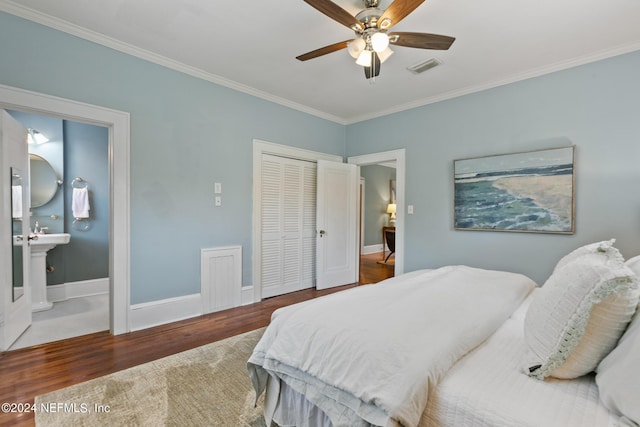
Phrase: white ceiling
pixel 251 45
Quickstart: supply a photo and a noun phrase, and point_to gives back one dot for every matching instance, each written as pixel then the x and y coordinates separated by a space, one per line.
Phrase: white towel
pixel 80 203
pixel 16 201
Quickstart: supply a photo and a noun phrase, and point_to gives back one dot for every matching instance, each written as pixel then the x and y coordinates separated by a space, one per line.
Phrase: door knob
pixel 322 233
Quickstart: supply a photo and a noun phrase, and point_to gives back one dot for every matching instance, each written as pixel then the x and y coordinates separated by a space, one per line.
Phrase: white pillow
pixel 634 264
pixel 618 376
pixel 579 314
pixel 605 248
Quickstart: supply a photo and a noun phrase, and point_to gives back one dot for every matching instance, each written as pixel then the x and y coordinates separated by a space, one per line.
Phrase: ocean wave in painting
pixel 481 204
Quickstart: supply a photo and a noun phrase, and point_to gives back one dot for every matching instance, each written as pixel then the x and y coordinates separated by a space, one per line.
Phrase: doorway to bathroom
pixel 69 187
pixel 118 125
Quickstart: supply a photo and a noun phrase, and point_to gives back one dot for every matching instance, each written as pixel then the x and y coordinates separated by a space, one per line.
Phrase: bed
pixel 459 346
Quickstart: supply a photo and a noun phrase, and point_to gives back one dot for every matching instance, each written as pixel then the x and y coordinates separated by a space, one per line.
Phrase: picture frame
pixel 531 191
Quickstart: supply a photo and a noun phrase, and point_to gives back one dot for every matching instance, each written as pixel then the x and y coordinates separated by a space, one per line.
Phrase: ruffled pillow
pixel 579 314
pixel 604 248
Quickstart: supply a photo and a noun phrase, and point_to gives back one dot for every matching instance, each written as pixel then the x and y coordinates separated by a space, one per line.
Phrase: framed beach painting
pixel 532 191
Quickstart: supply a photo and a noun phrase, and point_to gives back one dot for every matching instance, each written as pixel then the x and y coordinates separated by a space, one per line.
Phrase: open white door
pixel 337 224
pixel 15 290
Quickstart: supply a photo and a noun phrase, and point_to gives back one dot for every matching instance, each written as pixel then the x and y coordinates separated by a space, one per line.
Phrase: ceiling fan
pixel 371 25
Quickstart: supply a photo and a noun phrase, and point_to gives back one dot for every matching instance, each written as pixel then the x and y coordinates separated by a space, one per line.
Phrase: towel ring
pixel 81 224
pixel 79 183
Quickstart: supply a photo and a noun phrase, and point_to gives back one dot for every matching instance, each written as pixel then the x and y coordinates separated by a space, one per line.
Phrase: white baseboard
pixel 246 295
pixel 372 249
pixel 155 313
pixel 83 288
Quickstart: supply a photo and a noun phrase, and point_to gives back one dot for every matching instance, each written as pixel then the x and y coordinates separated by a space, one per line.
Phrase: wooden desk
pixel 384 238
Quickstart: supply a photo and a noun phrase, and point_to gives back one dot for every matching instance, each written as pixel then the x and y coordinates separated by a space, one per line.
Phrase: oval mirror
pixel 44 181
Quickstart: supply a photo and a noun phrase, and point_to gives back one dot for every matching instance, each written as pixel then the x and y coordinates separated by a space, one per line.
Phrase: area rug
pixel 205 386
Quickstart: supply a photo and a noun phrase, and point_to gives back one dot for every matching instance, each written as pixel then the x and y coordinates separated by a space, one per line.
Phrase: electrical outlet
pixel 218 201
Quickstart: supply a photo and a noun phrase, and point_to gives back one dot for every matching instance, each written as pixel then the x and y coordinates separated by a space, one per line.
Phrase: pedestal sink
pixel 39 248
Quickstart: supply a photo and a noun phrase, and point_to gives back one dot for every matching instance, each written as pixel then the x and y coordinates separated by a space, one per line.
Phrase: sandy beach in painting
pixel 549 192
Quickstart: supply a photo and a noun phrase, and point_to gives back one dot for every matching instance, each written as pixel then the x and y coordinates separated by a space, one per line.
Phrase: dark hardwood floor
pixel 29 372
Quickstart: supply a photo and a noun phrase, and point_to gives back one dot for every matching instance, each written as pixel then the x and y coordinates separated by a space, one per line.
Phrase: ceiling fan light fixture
pixel 379 41
pixel 385 54
pixel 356 47
pixel 365 58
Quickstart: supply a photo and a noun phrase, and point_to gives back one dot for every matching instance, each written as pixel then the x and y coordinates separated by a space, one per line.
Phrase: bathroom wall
pixel 74 149
pixel 86 151
pixel 51 214
pixel 52 152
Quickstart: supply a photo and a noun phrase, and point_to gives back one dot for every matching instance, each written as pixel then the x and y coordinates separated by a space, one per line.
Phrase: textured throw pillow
pixel 604 248
pixel 579 314
pixel 618 376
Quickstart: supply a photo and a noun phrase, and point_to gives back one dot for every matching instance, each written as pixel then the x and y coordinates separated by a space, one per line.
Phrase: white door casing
pixel 397 156
pixel 260 148
pixel 118 123
pixel 337 223
pixel 14 232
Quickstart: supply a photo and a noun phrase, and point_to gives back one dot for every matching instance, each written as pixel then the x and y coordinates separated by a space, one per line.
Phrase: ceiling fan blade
pixel 336 13
pixel 323 50
pixel 421 40
pixel 374 69
pixel 398 10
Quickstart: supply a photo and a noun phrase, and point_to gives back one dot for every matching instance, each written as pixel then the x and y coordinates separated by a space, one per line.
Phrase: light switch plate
pixel 217 188
pixel 410 209
pixel 218 201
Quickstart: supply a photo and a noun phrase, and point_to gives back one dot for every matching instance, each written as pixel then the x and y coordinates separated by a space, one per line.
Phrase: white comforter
pixel 372 353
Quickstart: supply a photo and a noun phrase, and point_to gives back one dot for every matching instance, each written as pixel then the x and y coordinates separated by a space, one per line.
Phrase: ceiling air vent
pixel 423 66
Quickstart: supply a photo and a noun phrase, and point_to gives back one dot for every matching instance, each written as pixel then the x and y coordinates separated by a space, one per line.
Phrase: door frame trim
pixel 118 124
pixel 260 148
pixel 399 157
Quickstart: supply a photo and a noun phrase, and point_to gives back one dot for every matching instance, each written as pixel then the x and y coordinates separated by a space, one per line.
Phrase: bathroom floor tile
pixel 70 318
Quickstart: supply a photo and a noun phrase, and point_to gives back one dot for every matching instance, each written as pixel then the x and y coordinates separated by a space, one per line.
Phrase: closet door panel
pixel 288 225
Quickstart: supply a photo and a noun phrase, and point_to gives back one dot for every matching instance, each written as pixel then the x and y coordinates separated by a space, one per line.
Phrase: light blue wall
pixel 377 197
pixel 594 106
pixel 186 134
pixel 86 155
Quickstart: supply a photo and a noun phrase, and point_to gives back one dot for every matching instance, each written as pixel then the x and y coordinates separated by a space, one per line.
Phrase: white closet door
pixel 337 220
pixel 288 225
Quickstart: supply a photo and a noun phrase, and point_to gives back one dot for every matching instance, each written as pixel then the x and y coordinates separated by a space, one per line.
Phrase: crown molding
pixel 104 40
pixel 101 39
pixel 558 66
